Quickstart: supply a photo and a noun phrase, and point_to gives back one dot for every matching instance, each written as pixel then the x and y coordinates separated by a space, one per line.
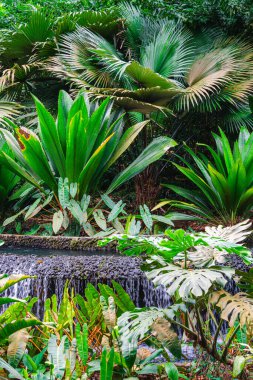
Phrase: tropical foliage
pixel 13 319
pixel 92 95
pixel 108 54
pixel 233 16
pixel 8 180
pixel 107 216
pixel 73 334
pixel 222 180
pixel 100 331
pixel 165 69
pixel 196 286
pixel 26 49
pixel 81 145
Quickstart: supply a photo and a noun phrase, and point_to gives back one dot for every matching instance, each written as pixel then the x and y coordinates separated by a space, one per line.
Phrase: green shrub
pixel 233 16
pixel 82 144
pixel 223 183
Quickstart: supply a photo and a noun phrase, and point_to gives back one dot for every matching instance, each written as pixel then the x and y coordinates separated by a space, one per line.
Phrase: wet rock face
pixel 236 262
pixel 71 243
pixel 100 266
pixel 53 270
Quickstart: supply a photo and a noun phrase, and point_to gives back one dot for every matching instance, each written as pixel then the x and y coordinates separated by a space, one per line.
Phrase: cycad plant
pixel 81 145
pixel 155 64
pixel 222 181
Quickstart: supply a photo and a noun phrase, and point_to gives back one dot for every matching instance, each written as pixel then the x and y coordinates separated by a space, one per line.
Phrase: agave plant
pixel 156 64
pixel 223 183
pixel 81 144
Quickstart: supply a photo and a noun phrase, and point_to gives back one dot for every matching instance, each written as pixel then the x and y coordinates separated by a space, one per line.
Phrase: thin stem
pixel 58 202
pixel 185 328
pixel 199 323
pixel 214 346
pixel 34 344
pixel 212 316
pixel 94 208
pixel 225 351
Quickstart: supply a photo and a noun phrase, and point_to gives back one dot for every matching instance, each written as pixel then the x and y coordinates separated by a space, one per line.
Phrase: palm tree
pixel 26 50
pixel 156 65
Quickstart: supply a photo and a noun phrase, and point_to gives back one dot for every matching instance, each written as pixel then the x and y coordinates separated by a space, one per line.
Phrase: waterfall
pixel 53 269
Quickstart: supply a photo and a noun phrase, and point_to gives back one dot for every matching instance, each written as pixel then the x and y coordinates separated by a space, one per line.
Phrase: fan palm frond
pixel 159 64
pixel 143 100
pixel 233 117
pixel 18 45
pixel 170 50
pixel 39 27
pixel 133 33
pixel 105 22
pixel 90 56
pixel 18 81
pixel 8 109
pixel 222 75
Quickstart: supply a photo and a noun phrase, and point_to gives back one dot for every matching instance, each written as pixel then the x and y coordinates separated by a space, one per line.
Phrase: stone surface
pixel 53 268
pixel 54 242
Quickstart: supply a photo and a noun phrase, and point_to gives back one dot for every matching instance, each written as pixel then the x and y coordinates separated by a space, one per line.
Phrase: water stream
pixel 53 268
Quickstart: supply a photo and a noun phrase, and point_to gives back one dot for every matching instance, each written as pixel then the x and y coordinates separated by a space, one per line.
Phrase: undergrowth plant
pixel 79 337
pixel 222 180
pixel 82 144
pixel 188 266
pixel 14 318
pixel 95 218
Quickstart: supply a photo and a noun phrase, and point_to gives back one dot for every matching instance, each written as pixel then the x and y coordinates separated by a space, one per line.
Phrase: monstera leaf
pixel 234 234
pixel 189 283
pixel 204 256
pixel 134 326
pixel 237 307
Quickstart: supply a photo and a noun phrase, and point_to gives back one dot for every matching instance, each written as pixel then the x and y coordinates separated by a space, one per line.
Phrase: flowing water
pixel 53 268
